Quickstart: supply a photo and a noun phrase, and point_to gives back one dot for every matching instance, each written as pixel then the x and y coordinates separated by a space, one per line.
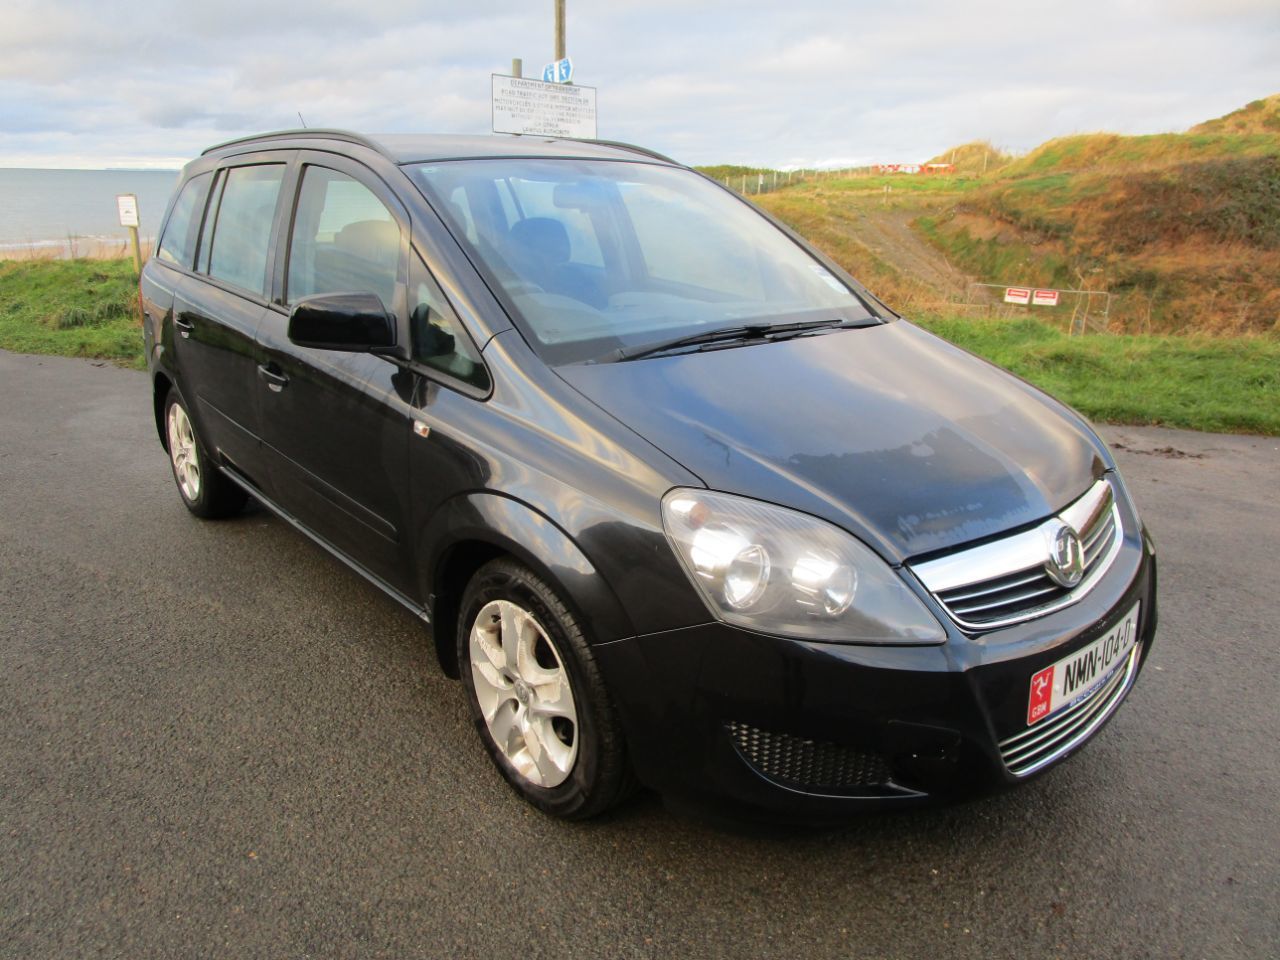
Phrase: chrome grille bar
pixel 1004 601
pixel 1031 577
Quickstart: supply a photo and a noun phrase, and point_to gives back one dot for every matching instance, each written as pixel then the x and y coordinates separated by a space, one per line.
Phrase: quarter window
pixel 439 340
pixel 242 235
pixel 178 242
pixel 345 240
pixel 210 218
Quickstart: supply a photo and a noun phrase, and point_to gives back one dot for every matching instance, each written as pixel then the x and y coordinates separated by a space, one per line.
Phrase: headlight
pixel 783 572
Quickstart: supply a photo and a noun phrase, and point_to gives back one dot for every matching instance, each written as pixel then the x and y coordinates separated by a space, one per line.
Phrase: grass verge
pixel 1197 382
pixel 71 308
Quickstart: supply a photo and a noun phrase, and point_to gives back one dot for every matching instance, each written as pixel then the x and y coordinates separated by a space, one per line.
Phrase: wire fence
pixel 766 181
pixel 1090 310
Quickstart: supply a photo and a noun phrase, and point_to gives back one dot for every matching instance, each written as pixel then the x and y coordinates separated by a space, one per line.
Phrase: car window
pixel 599 257
pixel 536 200
pixel 682 245
pixel 344 240
pixel 439 339
pixel 210 218
pixel 242 234
pixel 178 240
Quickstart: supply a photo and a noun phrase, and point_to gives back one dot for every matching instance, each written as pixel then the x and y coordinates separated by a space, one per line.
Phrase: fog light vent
pixel 807 764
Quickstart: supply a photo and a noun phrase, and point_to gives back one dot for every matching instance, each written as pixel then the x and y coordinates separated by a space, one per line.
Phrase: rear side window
pixel 345 240
pixel 178 241
pixel 242 233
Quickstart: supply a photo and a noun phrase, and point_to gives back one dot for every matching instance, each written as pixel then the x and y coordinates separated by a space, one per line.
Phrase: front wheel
pixel 536 694
pixel 204 489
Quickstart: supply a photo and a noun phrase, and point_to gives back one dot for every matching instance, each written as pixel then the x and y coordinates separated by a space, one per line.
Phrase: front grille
pixel 1025 591
pixel 1040 745
pixel 1006 581
pixel 807 764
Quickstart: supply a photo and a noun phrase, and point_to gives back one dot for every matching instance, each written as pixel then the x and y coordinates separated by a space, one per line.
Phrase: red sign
pixel 1041 695
pixel 1017 295
pixel 1045 298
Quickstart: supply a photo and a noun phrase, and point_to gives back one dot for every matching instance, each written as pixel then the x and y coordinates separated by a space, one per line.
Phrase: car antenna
pixel 300 120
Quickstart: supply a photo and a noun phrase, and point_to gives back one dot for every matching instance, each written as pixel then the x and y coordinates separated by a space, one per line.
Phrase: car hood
pixel 908 442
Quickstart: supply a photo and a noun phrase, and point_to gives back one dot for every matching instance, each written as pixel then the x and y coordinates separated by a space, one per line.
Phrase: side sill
pixel 415 608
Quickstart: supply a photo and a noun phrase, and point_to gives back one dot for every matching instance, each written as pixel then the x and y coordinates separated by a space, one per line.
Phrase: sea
pixel 58 208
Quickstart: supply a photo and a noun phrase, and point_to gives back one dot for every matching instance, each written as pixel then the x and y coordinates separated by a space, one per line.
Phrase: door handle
pixel 184 327
pixel 275 377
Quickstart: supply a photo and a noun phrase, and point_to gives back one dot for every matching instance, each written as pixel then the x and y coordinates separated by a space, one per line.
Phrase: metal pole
pixel 559 29
pixel 517 67
pixel 137 250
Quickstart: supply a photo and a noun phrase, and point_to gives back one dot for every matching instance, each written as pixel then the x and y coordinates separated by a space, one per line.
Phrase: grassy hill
pixel 1182 228
pixel 1260 116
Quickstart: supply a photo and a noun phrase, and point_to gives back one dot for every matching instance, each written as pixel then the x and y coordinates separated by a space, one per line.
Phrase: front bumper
pixel 715 714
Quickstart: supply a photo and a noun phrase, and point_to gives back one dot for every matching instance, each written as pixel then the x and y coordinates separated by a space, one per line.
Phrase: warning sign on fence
pixel 1017 295
pixel 1045 298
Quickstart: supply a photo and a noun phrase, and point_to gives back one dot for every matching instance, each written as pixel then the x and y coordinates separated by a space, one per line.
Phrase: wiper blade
pixel 746 333
pixel 750 331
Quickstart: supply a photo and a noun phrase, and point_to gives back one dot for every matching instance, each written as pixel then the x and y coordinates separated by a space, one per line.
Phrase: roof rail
pixel 301 134
pixel 630 147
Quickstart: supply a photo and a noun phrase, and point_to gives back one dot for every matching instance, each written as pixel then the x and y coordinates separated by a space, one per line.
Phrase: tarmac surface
pixel 216 741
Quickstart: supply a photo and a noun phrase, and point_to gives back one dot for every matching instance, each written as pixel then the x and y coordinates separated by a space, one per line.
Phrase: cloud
pixel 743 81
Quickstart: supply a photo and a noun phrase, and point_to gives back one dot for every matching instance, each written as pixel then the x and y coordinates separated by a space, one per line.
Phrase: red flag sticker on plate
pixel 1041 695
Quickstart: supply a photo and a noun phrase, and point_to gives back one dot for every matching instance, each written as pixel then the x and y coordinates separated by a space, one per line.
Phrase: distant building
pixel 915 168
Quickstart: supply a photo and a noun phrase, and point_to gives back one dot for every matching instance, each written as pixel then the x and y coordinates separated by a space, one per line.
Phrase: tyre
pixel 203 487
pixel 536 694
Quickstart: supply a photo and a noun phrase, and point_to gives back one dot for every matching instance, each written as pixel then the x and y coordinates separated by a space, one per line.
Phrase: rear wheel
pixel 536 695
pixel 204 489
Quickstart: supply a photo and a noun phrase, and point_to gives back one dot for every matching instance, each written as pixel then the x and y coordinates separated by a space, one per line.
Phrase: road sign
pixel 521 105
pixel 561 71
pixel 127 207
pixel 1045 298
pixel 1017 295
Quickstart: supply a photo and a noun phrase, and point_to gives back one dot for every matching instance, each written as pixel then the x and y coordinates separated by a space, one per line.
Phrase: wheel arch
pixel 472 529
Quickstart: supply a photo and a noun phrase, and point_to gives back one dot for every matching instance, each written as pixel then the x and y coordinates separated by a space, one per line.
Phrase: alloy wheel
pixel 524 693
pixel 183 452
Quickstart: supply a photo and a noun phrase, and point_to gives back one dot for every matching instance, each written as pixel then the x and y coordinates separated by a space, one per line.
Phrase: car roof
pixel 421 147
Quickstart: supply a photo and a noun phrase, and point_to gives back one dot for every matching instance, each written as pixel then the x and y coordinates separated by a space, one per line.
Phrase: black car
pixel 684 505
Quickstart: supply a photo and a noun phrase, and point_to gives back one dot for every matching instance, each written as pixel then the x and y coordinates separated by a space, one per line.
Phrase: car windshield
pixel 601 256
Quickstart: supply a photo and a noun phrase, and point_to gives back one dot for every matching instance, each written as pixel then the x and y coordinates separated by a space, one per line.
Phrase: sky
pixel 786 83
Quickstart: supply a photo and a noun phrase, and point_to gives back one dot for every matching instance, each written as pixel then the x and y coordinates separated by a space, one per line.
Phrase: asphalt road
pixel 217 742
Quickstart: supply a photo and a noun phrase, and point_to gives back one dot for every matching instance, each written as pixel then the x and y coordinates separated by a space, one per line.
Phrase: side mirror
pixel 354 322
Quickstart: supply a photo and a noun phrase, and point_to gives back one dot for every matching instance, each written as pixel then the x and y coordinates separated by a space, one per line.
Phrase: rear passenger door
pixel 173 260
pixel 336 426
pixel 217 311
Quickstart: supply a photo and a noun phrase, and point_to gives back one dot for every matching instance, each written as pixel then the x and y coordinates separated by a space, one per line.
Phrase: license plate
pixel 1078 675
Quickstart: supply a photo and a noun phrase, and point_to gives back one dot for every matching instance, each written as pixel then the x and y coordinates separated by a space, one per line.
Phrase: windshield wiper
pixel 746 333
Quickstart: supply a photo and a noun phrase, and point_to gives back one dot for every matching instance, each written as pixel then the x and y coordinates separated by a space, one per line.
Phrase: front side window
pixel 344 240
pixel 178 242
pixel 241 235
pixel 597 255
